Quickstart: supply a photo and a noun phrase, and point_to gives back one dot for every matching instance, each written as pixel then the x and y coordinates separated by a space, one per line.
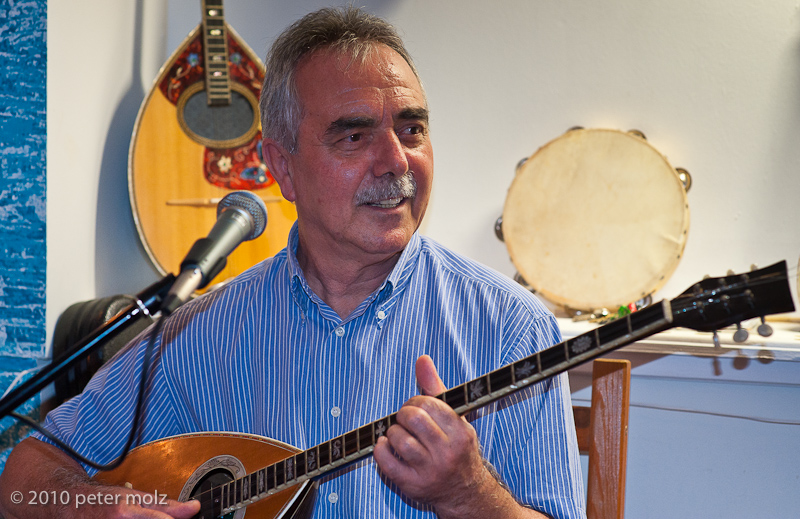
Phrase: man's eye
pixel 414 130
pixel 354 137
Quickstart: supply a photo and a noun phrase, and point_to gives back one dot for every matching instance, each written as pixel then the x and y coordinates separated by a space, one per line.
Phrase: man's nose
pixel 391 155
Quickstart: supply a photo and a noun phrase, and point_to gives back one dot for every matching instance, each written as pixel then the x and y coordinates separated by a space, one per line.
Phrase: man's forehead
pixel 335 76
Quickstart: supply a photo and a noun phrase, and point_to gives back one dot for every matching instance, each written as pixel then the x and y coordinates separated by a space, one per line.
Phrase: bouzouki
pixel 197 138
pixel 228 472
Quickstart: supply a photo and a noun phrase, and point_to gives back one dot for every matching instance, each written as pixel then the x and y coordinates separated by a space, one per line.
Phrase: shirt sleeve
pixel 97 423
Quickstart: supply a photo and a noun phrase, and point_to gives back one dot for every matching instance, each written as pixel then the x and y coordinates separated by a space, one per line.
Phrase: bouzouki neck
pixel 708 305
pixel 215 51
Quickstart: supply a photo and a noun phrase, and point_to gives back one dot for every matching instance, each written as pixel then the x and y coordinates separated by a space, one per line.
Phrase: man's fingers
pixel 427 377
pixel 141 505
pixel 177 509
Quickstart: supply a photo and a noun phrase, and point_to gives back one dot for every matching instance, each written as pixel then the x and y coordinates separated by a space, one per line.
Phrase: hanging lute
pixel 229 472
pixel 197 138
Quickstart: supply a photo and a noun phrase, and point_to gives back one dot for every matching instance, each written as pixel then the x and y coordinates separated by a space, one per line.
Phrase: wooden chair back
pixel 603 435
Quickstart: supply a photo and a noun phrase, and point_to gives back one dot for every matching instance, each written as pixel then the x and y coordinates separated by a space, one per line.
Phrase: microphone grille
pixel 249 203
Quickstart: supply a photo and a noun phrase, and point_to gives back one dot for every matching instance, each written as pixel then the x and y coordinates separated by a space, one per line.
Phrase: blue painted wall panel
pixel 23 132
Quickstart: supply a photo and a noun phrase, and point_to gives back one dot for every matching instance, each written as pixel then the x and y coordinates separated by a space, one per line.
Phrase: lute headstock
pixel 714 303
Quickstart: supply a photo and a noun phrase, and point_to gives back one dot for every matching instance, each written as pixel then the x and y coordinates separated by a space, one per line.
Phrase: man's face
pixel 363 127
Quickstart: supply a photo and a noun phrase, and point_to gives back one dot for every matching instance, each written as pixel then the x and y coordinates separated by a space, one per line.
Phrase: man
pixel 321 338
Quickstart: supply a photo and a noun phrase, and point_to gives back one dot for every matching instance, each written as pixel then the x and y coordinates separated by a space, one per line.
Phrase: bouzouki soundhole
pixel 213 473
pixel 222 126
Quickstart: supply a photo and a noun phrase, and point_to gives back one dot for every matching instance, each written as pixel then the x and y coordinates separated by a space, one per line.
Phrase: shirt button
pixel 333 497
pixel 339 331
pixel 335 411
pixel 381 315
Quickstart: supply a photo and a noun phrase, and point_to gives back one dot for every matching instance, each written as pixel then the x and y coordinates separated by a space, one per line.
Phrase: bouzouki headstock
pixel 714 303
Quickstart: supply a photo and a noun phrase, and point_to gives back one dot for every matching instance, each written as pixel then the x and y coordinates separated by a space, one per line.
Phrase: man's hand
pixel 40 480
pixel 433 456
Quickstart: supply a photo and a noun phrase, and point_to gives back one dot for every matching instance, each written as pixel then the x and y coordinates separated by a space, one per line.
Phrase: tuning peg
pixel 764 329
pixel 740 335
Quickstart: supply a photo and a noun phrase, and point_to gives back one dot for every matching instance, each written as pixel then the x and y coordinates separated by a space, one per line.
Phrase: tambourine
pixel 596 219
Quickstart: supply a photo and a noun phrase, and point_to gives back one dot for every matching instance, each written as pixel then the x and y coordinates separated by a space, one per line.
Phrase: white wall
pixel 715 86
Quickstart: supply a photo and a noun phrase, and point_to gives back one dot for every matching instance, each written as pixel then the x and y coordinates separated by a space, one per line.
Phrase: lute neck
pixel 215 54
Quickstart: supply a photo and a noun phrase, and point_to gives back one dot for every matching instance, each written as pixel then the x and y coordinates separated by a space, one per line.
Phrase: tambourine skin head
pixel 596 219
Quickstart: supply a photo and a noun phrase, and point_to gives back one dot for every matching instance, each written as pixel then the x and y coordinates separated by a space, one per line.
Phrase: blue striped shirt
pixel 265 355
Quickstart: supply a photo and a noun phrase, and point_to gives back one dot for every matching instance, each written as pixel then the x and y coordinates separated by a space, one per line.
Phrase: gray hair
pixel 348 30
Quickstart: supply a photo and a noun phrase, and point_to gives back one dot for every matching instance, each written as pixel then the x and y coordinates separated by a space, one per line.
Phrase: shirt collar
pixel 394 284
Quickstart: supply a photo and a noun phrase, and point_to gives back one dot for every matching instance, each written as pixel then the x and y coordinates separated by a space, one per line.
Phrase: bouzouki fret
pixel 350 443
pixel 644 317
pixel 300 464
pixel 253 485
pixel 455 397
pixel 500 379
pixel 612 331
pixel 271 483
pixel 324 454
pixel 244 489
pixel 628 322
pixel 551 357
pixel 364 437
pixel 280 477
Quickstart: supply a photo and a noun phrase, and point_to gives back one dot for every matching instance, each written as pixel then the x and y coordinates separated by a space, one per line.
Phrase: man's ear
pixel 277 160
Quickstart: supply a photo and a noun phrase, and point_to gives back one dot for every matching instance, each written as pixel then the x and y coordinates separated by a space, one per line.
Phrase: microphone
pixel 241 216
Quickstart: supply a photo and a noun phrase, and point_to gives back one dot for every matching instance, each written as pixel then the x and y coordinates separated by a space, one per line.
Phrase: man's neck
pixel 343 281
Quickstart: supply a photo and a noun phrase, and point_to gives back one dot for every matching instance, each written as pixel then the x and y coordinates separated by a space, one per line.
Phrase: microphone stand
pixel 148 302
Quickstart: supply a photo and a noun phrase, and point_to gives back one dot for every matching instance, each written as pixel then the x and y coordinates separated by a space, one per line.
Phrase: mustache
pixel 399 187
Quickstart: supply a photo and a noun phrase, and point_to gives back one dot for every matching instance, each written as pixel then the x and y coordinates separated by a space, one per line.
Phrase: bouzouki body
pixel 197 138
pixel 180 466
pixel 273 479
